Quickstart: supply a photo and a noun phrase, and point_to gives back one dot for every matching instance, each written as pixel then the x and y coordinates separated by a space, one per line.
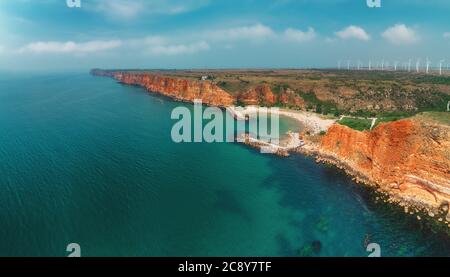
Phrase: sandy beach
pixel 313 122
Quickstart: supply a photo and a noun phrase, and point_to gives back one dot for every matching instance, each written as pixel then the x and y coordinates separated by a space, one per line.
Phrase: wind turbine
pixel 382 64
pixel 428 64
pixel 409 65
pixel 359 64
pixel 370 65
pixel 417 65
pixel 339 64
pixel 348 65
pixel 440 66
pixel 395 65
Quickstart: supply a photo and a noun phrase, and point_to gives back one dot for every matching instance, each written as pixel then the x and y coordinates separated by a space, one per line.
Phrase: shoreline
pixel 418 211
pixel 315 125
pixel 423 211
pixel 311 121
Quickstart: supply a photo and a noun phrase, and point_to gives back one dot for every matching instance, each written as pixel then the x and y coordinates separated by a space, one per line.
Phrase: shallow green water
pixel 84 159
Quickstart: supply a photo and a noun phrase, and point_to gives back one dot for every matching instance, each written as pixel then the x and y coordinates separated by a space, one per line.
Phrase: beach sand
pixel 313 122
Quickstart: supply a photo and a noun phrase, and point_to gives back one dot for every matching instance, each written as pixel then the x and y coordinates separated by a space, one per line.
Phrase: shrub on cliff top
pixel 359 124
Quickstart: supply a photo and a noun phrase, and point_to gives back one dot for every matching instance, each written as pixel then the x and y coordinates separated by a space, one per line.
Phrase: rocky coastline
pixel 407 160
pixel 413 181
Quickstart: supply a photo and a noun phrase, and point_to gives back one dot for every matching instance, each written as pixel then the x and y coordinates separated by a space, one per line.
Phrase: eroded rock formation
pixel 179 89
pixel 409 158
pixel 259 95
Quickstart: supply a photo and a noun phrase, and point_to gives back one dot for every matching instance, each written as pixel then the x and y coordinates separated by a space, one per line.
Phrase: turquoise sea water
pixel 84 159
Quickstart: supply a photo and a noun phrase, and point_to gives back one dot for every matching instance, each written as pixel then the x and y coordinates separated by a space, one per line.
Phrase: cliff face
pixel 289 98
pixel 409 159
pixel 180 89
pixel 211 94
pixel 263 95
pixel 260 95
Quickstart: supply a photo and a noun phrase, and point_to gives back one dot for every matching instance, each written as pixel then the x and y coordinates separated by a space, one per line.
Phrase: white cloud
pixel 120 8
pixel 160 45
pixel 130 9
pixel 400 34
pixel 178 49
pixel 147 41
pixel 353 32
pixel 69 46
pixel 298 35
pixel 446 35
pixel 254 32
pixel 330 40
pixel 176 44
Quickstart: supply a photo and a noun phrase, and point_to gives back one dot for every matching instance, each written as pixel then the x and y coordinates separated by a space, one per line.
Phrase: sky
pixel 48 35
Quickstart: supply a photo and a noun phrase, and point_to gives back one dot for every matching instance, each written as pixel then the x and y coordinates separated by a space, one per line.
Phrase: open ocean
pixel 87 160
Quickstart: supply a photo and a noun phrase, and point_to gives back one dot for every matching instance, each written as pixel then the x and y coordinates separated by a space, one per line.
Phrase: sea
pixel 87 160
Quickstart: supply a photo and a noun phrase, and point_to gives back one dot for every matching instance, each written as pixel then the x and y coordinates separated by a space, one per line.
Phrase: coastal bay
pixel 375 155
pixel 241 129
pixel 90 161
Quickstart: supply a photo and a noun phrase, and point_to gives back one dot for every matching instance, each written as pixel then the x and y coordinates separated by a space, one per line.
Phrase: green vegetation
pixel 310 98
pixel 322 107
pixel 432 101
pixel 383 117
pixel 359 124
pixel 386 119
pixel 441 117
pixel 362 113
pixel 279 87
pixel 398 114
pixel 442 80
pixel 234 86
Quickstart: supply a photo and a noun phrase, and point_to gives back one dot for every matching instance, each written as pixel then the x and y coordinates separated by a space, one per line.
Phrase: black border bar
pixel 276 266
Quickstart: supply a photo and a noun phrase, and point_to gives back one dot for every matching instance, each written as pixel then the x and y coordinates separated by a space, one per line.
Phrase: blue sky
pixel 46 35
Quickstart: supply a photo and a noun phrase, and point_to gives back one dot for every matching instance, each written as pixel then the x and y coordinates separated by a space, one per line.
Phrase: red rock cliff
pixel 211 94
pixel 263 95
pixel 260 95
pixel 409 159
pixel 180 89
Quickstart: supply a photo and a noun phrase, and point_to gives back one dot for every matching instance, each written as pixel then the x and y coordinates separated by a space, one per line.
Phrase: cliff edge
pixel 409 159
pixel 177 88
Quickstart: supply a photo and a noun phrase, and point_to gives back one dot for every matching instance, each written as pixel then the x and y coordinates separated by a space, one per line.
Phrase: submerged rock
pixel 323 224
pixel 317 246
pixel 310 249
